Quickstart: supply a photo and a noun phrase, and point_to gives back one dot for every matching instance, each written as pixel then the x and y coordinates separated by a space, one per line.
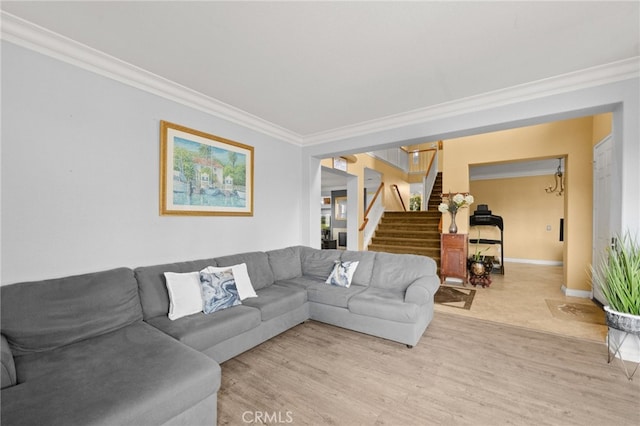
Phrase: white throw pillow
pixel 342 273
pixel 185 296
pixel 241 276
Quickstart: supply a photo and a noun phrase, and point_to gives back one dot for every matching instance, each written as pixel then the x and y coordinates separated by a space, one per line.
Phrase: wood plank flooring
pixel 464 371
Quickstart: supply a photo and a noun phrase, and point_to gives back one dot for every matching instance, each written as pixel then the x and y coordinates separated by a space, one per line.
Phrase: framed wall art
pixel 203 174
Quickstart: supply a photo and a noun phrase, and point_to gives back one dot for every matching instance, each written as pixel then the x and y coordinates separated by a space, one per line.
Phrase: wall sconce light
pixel 558 187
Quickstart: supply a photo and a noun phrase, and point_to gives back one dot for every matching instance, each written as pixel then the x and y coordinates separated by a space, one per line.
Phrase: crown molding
pixel 31 36
pixel 582 79
pixel 34 37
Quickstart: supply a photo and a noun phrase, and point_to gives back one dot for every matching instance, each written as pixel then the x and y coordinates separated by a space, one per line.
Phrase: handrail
pixel 429 180
pixel 399 196
pixel 366 213
pixel 433 157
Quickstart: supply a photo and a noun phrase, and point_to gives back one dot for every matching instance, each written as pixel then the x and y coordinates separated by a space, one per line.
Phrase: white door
pixel 602 188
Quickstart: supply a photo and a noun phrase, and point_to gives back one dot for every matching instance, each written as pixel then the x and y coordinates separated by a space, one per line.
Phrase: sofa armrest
pixel 422 290
pixel 7 366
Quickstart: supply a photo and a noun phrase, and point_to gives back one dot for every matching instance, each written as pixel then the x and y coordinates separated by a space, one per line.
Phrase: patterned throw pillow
pixel 219 291
pixel 241 277
pixel 342 273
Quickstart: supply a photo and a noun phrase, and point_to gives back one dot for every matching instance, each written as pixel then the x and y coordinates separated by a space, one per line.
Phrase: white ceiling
pixel 313 67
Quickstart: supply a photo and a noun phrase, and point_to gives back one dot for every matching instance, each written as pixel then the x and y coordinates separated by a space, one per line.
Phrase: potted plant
pixel 618 276
pixel 415 202
pixel 479 266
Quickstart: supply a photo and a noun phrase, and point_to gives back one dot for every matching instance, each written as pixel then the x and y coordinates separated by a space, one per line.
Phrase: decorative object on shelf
pixel 340 163
pixel 618 276
pixel 415 202
pixel 452 203
pixel 203 174
pixel 480 266
pixel 480 272
pixel 558 187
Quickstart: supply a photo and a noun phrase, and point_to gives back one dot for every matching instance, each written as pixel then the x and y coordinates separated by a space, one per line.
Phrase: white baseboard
pixel 585 294
pixel 534 261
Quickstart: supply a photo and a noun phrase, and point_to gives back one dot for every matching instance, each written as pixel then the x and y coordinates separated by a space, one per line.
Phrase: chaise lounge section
pixel 78 353
pixel 100 348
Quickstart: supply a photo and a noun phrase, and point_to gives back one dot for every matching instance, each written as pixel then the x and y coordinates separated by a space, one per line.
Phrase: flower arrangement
pixel 456 202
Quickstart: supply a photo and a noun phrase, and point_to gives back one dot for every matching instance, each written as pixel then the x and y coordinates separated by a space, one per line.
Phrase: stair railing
pixel 394 186
pixel 372 217
pixel 370 207
pixel 430 179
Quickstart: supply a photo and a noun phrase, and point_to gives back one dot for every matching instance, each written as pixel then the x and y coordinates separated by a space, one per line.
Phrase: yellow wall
pixel 602 126
pixel 390 176
pixel 526 210
pixel 571 139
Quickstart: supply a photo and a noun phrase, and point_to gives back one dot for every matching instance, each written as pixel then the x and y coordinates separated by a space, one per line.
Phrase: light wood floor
pixel 519 297
pixel 464 371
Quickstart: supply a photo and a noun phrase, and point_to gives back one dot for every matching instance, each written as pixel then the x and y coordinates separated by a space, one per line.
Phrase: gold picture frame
pixel 203 174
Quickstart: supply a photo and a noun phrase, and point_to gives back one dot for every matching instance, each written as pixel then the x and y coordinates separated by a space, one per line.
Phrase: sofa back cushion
pixel 154 296
pixel 398 271
pixel 366 261
pixel 257 266
pixel 318 263
pixel 285 263
pixel 43 315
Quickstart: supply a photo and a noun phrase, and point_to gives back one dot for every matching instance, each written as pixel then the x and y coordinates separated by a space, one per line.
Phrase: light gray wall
pixel 80 177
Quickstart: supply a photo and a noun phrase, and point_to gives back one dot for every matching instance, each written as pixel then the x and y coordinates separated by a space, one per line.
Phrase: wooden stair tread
pixel 411 232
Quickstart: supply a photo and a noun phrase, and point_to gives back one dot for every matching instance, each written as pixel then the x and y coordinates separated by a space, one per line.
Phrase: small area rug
pixel 582 312
pixel 456 297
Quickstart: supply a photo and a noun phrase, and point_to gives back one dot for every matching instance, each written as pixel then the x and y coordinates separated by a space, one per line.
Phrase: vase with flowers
pixel 452 203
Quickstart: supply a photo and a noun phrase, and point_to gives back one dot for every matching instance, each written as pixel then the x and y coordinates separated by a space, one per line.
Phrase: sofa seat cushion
pixel 303 282
pixel 276 300
pixel 202 331
pixel 384 304
pixel 134 375
pixel 333 295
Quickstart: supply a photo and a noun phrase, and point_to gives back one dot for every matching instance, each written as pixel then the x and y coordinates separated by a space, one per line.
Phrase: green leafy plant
pixel 618 275
pixel 478 256
pixel 415 202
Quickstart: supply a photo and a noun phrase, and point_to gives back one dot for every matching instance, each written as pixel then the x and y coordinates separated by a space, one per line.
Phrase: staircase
pixel 411 232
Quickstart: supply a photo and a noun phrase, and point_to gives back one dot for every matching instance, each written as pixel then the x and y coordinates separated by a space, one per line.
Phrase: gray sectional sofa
pixel 99 349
